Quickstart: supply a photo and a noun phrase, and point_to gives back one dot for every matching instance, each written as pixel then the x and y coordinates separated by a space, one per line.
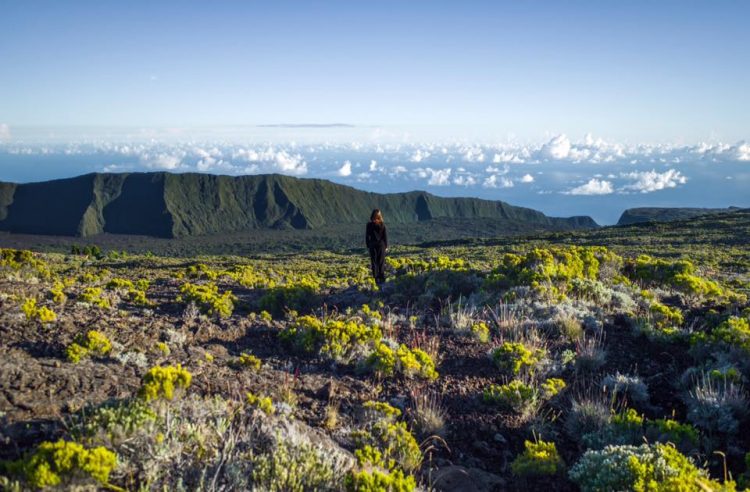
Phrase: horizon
pixel 584 108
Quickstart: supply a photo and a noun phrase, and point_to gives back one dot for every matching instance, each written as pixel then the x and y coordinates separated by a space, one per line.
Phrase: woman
pixel 376 239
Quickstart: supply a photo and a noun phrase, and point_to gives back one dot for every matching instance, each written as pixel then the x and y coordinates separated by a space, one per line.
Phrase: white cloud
pixel 741 151
pixel 593 187
pixel 557 148
pixel 435 177
pixel 373 165
pixel 464 180
pixel 4 132
pixel 649 181
pixel 497 181
pixel 346 169
pixel 527 178
pixel 473 155
pixel 166 162
pixel 419 155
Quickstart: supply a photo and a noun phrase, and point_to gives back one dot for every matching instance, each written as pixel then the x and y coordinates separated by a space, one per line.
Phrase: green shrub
pixel 208 299
pixel 538 459
pixel 54 463
pixel 294 468
pixel 262 403
pixel 94 296
pixel 481 332
pixel 335 338
pixel 161 382
pixel 516 395
pixel 415 362
pixel 247 360
pixel 118 419
pixel 301 296
pixel 684 436
pixel 94 342
pixel 513 357
pixel 41 314
pixel 649 467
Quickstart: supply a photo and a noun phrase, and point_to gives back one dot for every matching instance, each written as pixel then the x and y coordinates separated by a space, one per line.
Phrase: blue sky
pixel 570 107
pixel 631 71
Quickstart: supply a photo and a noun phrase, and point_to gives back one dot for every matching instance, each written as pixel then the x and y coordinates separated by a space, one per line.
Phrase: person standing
pixel 376 238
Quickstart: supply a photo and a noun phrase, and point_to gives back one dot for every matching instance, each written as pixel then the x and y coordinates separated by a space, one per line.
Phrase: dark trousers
pixel 377 260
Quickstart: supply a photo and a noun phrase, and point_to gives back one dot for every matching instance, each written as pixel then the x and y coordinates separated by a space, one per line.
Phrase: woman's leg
pixel 381 264
pixel 374 262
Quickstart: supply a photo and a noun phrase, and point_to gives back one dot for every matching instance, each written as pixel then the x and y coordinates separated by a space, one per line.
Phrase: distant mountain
pixel 177 205
pixel 656 214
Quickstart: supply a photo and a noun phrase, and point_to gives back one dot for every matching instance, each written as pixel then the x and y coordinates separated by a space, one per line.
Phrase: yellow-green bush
pixel 338 339
pixel 94 342
pixel 512 357
pixel 208 299
pixel 415 362
pixel 161 382
pixel 648 467
pixel 54 463
pixel 262 403
pixel 33 312
pixel 94 295
pixel 538 459
pixel 247 360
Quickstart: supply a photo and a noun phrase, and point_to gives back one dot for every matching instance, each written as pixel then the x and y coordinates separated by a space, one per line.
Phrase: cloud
pixel 497 181
pixel 373 165
pixel 166 162
pixel 419 155
pixel 557 148
pixel 435 177
pixel 271 160
pixel 527 178
pixel 649 181
pixel 465 180
pixel 741 151
pixel 4 132
pixel 593 187
pixel 473 155
pixel 346 169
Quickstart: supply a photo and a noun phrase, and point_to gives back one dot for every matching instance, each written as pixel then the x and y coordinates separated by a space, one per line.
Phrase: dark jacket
pixel 376 235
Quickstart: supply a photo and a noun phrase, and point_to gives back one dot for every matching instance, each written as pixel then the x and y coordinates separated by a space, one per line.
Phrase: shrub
pixel 551 387
pixel 538 459
pixel 394 441
pixel 301 296
pixel 161 381
pixel 334 338
pixel 625 427
pixel 428 414
pixel 262 403
pixel 481 332
pixel 733 333
pixel 516 395
pixel 590 353
pixel 248 360
pixel 33 312
pixel 630 386
pixel 684 436
pixel 53 463
pixel 653 467
pixel 95 296
pixel 716 406
pixel 375 480
pixel 207 297
pixel 587 415
pixel 119 419
pixel 384 361
pixel 294 468
pixel 94 342
pixel 513 357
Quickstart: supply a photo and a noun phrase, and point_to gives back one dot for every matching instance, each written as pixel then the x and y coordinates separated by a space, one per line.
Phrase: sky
pixel 585 106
